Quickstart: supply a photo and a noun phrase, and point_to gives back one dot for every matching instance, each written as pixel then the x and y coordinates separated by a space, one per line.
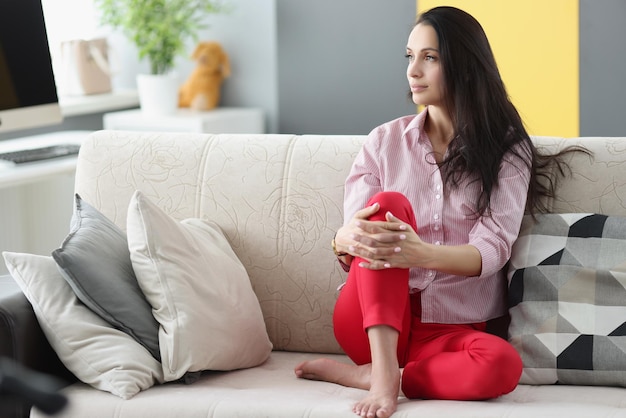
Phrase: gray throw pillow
pixel 94 259
pixel 567 299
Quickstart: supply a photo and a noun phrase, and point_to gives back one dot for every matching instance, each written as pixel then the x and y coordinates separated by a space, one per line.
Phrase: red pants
pixel 440 361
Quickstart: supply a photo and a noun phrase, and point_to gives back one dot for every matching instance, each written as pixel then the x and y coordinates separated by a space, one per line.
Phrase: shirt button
pixel 436 227
pixel 437 196
pixel 438 187
pixel 437 242
pixel 436 216
pixel 430 274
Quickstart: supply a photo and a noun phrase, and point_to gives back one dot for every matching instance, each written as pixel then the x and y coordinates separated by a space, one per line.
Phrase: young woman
pixel 433 205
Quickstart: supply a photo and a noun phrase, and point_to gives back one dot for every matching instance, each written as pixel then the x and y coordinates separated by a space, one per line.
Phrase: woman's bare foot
pixel 383 386
pixel 382 400
pixel 335 372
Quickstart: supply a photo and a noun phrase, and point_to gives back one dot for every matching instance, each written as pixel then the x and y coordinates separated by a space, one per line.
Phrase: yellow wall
pixel 536 46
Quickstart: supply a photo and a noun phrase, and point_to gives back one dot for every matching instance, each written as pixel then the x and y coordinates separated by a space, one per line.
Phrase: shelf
pixel 98 103
pixel 220 120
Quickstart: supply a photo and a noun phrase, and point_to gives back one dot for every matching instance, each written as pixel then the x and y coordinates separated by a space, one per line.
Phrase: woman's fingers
pixel 376 241
pixel 367 211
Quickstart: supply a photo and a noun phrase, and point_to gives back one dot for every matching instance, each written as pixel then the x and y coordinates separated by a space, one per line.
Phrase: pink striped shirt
pixel 397 156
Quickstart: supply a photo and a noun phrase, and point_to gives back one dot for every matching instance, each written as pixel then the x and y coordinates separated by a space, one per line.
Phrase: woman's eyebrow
pixel 424 49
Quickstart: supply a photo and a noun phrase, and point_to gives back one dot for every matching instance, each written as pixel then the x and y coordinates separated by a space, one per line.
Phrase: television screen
pixel 28 94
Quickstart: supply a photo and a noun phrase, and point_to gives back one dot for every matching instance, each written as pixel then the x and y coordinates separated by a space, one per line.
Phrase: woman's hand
pixel 382 244
pixel 393 243
pixel 344 238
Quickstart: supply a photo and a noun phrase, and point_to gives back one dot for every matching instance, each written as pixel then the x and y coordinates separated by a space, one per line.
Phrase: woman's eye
pixel 409 57
pixel 430 58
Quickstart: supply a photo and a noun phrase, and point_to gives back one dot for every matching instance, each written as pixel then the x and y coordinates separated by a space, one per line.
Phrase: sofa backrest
pixel 278 199
pixel 597 183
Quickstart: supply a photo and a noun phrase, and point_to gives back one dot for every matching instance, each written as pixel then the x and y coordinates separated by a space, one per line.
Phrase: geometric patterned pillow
pixel 567 299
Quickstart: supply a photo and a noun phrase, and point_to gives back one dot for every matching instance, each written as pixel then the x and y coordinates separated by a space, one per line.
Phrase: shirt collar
pixel 417 124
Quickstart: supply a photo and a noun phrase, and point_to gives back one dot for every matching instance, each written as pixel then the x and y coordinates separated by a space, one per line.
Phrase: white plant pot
pixel 158 94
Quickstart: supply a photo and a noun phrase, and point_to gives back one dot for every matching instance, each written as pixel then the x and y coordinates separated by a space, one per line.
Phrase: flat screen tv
pixel 28 94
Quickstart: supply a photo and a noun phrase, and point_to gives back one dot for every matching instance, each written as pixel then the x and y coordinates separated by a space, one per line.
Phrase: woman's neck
pixel 438 127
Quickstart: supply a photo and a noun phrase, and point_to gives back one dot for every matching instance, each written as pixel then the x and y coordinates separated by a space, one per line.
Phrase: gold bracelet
pixel 337 253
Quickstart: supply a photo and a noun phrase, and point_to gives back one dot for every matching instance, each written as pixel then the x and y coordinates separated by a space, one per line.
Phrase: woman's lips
pixel 418 88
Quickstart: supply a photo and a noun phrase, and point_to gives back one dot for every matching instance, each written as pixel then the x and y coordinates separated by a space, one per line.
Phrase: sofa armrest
pixel 23 341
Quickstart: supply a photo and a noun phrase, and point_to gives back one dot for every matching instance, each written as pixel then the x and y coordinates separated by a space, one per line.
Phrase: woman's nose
pixel 414 70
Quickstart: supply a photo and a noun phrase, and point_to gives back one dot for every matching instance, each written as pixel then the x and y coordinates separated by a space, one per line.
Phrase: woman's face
pixel 424 69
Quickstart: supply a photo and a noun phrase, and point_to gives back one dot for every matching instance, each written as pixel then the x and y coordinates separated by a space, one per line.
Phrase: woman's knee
pixel 390 200
pixel 510 358
pixel 394 202
pixel 504 364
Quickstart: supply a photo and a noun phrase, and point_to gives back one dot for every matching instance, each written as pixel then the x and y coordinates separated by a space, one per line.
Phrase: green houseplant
pixel 159 29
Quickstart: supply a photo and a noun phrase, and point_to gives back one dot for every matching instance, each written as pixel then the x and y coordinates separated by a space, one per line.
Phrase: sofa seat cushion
pixel 272 390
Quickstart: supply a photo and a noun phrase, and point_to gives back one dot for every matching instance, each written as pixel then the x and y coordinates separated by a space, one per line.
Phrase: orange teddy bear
pixel 201 91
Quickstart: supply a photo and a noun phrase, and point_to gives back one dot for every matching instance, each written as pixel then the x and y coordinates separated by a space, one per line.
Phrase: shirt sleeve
pixel 494 234
pixel 364 179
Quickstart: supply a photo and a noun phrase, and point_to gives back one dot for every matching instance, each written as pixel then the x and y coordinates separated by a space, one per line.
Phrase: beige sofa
pixel 278 198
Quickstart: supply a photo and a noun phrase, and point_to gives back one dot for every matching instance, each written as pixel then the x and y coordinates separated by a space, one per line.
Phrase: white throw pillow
pixel 97 353
pixel 209 316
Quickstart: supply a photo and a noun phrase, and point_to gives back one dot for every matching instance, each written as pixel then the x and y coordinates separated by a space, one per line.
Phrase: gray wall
pixel 337 66
pixel 602 68
pixel 341 64
pixel 248 34
pixel 317 67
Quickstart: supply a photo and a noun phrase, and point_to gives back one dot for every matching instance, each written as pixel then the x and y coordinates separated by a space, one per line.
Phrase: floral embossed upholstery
pixel 279 199
pixel 273 198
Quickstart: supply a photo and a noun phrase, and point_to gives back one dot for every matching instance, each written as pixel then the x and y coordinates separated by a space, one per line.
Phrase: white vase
pixel 158 94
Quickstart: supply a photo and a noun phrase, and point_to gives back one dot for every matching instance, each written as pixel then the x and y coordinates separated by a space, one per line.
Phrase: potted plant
pixel 159 29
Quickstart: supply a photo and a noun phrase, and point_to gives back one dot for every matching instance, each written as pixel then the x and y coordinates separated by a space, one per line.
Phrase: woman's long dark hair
pixel 486 124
